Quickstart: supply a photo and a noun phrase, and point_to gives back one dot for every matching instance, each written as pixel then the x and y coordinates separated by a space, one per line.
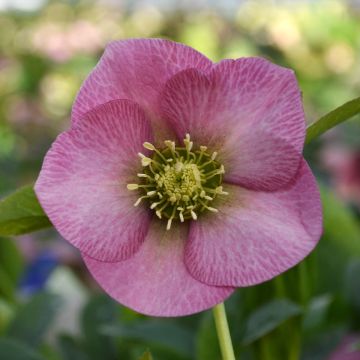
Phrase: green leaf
pixel 207 343
pixel 146 356
pixel 162 334
pixel 340 224
pixel 316 311
pixel 352 284
pixel 11 260
pixel 267 318
pixel 333 118
pixel 6 285
pixel 70 349
pixel 34 319
pixel 100 311
pixel 11 266
pixel 13 350
pixel 319 346
pixel 6 312
pixel 21 213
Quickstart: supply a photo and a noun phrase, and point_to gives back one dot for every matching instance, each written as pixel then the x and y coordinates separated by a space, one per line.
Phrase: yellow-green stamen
pixel 179 182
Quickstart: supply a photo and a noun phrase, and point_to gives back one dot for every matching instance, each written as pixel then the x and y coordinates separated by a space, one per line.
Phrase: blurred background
pixel 49 306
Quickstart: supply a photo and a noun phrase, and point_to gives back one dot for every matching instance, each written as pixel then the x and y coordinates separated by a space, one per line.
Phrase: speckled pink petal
pixel 256 235
pixel 155 280
pixel 82 184
pixel 136 69
pixel 249 110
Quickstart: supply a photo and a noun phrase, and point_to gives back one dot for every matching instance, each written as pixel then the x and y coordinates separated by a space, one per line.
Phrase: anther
pixel 145 161
pixel 193 214
pixel 154 205
pixel 188 144
pixel 148 146
pixel 202 151
pixel 168 226
pixel 138 201
pixel 170 144
pixel 220 191
pixel 132 186
pixel 158 212
pixel 215 172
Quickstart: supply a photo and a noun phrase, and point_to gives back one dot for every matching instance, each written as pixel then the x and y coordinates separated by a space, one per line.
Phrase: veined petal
pixel 256 235
pixel 249 110
pixel 136 69
pixel 82 184
pixel 155 280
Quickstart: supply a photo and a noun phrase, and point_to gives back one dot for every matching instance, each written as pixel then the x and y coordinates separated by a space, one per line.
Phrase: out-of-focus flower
pixel 37 273
pixel 24 110
pixel 349 349
pixel 60 42
pixel 340 57
pixel 222 195
pixel 344 166
pixel 284 32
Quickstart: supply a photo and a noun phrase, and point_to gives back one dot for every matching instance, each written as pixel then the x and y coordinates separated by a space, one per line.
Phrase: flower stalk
pixel 223 332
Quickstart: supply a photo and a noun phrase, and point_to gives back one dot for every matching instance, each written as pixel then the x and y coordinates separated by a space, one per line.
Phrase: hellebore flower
pixel 209 154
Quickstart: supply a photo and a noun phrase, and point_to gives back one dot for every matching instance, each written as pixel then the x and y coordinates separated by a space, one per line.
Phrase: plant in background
pixel 181 179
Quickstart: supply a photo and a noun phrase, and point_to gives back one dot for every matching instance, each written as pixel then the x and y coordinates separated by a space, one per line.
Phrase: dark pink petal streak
pixel 155 281
pixel 249 110
pixel 256 235
pixel 82 184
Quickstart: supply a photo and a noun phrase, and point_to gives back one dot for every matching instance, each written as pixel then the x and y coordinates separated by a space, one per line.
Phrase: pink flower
pixel 237 202
pixel 344 167
pixel 349 349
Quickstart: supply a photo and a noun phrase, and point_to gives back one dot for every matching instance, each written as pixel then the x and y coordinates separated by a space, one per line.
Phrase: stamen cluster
pixel 179 182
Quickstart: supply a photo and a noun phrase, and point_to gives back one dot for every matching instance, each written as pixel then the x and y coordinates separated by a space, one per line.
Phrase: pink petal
pixel 82 184
pixel 256 235
pixel 155 280
pixel 136 69
pixel 249 110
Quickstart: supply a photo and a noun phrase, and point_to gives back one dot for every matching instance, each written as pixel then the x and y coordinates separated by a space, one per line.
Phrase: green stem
pixel 295 343
pixel 280 288
pixel 304 284
pixel 265 349
pixel 223 332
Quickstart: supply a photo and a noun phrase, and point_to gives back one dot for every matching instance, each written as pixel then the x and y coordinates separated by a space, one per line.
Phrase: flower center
pixel 179 182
